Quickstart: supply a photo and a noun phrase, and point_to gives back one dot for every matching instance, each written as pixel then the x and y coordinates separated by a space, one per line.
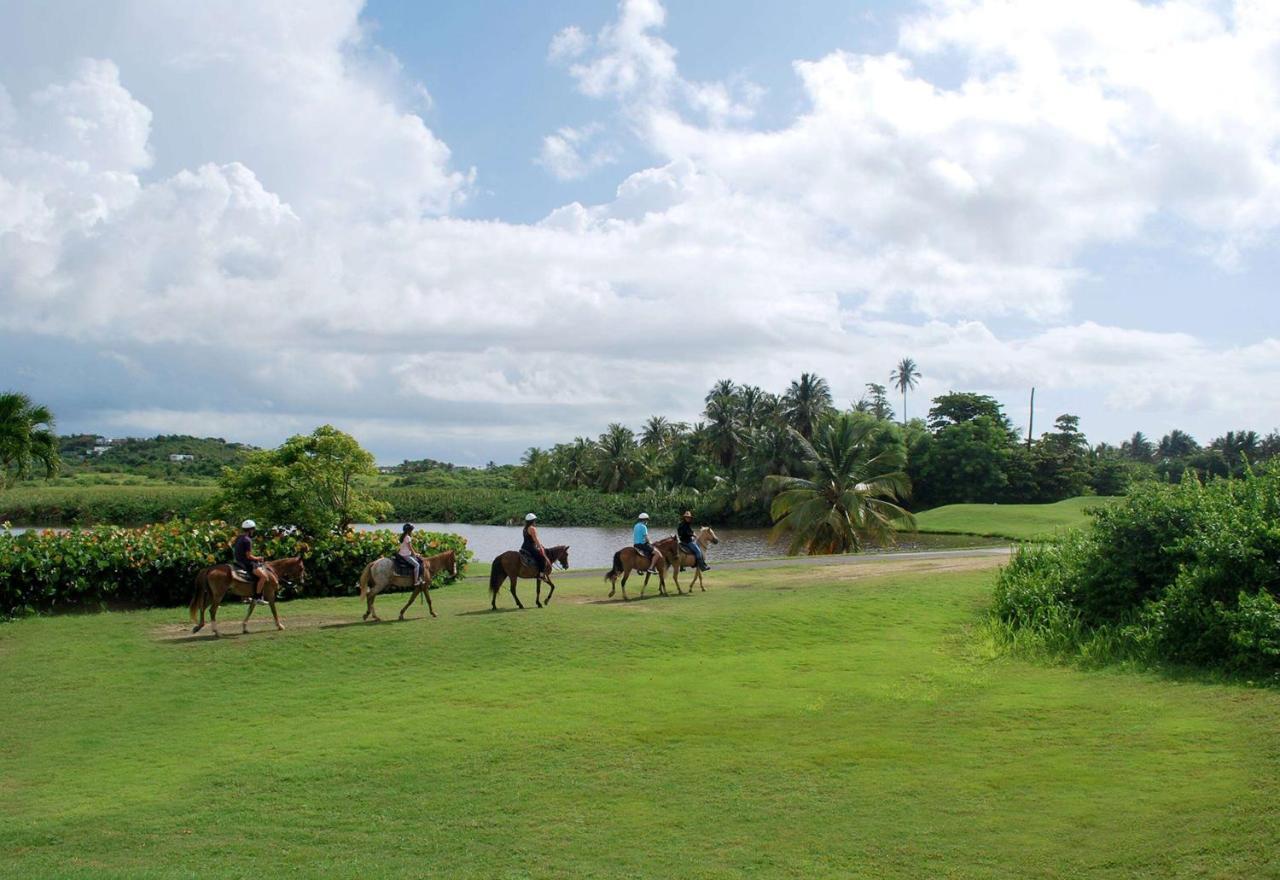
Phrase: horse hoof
pixel 195 629
pixel 433 614
pixel 279 627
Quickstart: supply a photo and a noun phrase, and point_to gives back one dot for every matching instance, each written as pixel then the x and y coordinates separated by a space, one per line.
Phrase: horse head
pixel 710 534
pixel 560 555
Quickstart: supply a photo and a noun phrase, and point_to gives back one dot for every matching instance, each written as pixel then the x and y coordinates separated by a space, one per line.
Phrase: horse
pixel 629 559
pixel 380 574
pixel 678 561
pixel 214 582
pixel 511 565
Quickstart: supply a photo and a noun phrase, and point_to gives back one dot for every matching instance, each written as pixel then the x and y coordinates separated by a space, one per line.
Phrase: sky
pixel 460 230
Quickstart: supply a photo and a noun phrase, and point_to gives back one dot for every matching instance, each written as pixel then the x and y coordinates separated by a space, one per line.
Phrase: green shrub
pixel 40 505
pixel 156 565
pixel 1183 574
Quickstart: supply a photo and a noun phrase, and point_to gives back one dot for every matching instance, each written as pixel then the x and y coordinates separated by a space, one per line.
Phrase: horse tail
pixel 364 580
pixel 617 567
pixel 202 589
pixel 496 575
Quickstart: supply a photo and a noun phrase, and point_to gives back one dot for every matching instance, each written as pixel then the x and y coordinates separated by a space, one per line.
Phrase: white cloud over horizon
pixel 244 212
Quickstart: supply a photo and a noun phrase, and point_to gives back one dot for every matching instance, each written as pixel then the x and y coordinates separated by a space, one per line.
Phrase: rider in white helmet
pixel 640 540
pixel 531 545
pixel 242 550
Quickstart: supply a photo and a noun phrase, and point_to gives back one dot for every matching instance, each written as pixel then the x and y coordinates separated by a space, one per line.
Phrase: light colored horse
pixel 629 559
pixel 380 574
pixel 684 559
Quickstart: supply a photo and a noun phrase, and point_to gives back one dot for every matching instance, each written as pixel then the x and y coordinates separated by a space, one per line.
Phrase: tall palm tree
pixel 27 440
pixel 723 431
pixel 616 460
pixel 724 389
pixel 751 405
pixel 806 403
pixel 851 492
pixel 656 433
pixel 904 377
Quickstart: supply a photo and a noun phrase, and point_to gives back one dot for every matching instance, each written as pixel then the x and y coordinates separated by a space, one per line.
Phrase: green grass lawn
pixel 1020 522
pixel 797 722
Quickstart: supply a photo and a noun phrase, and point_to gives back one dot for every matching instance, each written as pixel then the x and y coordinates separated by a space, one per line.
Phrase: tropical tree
pixel 1177 444
pixel 724 390
pixel 617 462
pixel 806 403
pixel 904 377
pixel 656 434
pixel 957 407
pixel 875 402
pixel 722 432
pixel 850 495
pixel 1138 447
pixel 27 440
pixel 311 482
pixel 753 405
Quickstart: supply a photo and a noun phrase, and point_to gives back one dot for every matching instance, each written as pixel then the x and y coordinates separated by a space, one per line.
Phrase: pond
pixel 592 547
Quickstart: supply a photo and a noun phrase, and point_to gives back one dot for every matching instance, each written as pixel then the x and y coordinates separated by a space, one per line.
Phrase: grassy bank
pixel 788 723
pixel 1019 522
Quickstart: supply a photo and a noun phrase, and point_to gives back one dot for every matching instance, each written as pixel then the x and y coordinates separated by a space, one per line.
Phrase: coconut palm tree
pixel 27 440
pixel 851 492
pixel 723 431
pixel 904 377
pixel 806 403
pixel 617 464
pixel 656 433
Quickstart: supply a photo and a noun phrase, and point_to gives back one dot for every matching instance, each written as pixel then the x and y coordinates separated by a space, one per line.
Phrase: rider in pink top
pixel 406 550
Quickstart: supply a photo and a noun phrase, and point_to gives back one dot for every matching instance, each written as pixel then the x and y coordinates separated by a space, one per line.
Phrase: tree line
pixel 965 450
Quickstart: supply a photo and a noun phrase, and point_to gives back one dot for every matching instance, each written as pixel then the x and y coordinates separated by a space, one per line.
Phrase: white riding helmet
pixel 643 516
pixel 248 524
pixel 530 517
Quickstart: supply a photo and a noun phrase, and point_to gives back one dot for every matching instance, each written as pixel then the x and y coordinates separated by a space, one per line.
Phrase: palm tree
pixel 656 434
pixel 723 431
pixel 723 390
pixel 806 403
pixel 851 492
pixel 751 405
pixel 616 461
pixel 27 440
pixel 904 377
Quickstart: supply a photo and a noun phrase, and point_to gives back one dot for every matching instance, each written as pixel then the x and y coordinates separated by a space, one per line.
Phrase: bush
pixel 1186 574
pixel 40 505
pixel 156 565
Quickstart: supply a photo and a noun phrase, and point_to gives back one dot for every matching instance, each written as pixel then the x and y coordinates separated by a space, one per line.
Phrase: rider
pixel 687 541
pixel 406 553
pixel 640 540
pixel 531 545
pixel 242 551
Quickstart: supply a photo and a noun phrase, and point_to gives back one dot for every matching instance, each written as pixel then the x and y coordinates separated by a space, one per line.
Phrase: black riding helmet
pixel 406 529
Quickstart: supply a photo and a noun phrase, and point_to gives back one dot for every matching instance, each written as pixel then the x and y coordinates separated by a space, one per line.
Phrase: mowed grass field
pixel 1019 522
pixel 836 721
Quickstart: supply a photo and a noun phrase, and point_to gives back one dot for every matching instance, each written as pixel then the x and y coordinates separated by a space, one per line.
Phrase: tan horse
pixel 684 559
pixel 213 584
pixel 511 566
pixel 629 559
pixel 380 574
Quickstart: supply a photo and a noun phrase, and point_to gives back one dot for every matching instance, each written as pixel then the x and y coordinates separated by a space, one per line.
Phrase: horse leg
pixel 271 603
pixel 537 596
pixel 626 574
pixel 244 627
pixel 412 596
pixel 426 595
pixel 552 585
pixel 519 604
pixel 214 601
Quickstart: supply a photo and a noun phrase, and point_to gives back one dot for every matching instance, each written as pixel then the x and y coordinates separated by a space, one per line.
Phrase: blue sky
pixel 458 230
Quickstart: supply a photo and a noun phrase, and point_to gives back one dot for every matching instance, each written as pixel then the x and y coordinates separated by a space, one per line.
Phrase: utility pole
pixel 1031 421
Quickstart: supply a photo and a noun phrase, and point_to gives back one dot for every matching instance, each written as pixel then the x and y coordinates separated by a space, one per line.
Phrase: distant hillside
pixel 165 457
pixel 429 473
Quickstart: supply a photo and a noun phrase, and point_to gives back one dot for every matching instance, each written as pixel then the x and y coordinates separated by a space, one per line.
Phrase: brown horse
pixel 380 574
pixel 511 566
pixel 705 538
pixel 213 584
pixel 629 559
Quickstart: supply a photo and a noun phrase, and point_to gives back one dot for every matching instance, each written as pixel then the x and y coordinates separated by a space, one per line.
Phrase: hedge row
pixel 41 505
pixel 156 565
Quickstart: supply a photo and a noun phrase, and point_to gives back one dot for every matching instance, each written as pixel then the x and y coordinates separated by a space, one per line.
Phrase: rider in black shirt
pixel 688 542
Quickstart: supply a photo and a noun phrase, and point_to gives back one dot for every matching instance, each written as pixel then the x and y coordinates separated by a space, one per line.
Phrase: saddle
pixel 243 576
pixel 401 566
pixel 527 558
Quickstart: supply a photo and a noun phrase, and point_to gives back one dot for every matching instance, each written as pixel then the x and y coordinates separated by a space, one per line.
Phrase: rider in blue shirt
pixel 640 540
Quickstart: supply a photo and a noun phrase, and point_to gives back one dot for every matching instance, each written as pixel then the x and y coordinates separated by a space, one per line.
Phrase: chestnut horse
pixel 705 538
pixel 511 566
pixel 213 584
pixel 629 559
pixel 380 574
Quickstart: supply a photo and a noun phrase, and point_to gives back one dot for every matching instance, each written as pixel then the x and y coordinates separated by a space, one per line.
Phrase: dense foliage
pixel 156 565
pixel 34 504
pixel 27 442
pixel 575 508
pixel 86 454
pixel 313 482
pixel 1186 574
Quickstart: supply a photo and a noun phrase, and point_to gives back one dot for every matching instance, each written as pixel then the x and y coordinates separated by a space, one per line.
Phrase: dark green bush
pixel 1186 574
pixel 156 565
